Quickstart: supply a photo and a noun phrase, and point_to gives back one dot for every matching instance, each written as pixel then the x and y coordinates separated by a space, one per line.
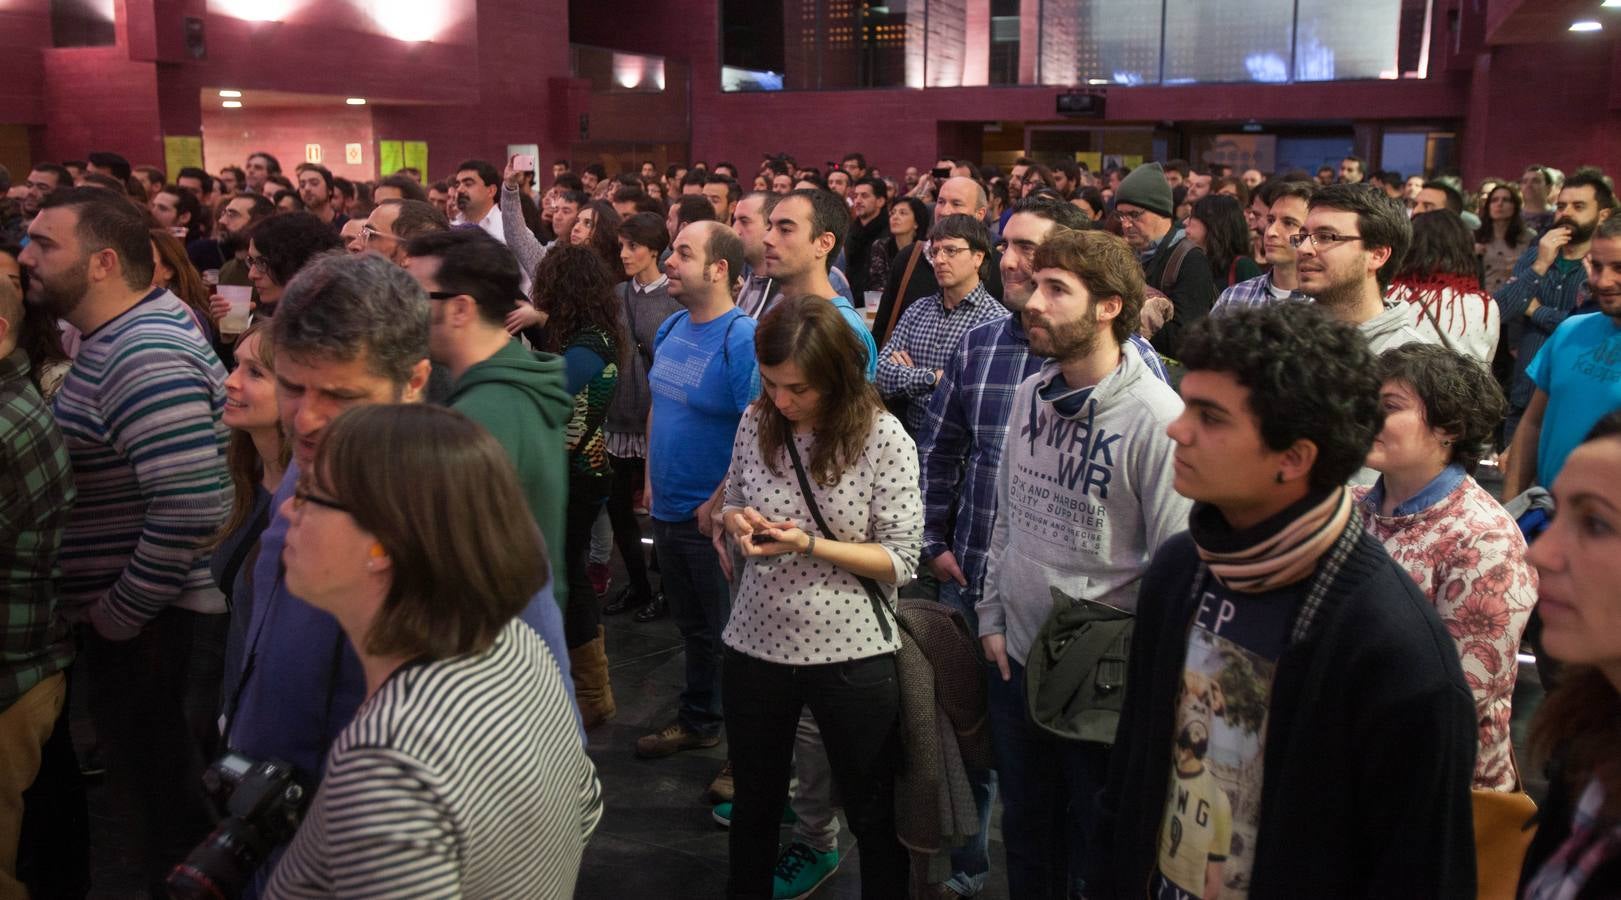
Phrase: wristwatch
pixel 934 378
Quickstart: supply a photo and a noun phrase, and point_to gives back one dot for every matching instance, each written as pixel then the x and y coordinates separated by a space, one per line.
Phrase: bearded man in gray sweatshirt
pixel 1084 499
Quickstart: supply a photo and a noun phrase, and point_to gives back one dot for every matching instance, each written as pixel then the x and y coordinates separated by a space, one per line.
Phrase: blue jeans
pixel 696 590
pixel 973 858
pixel 1049 787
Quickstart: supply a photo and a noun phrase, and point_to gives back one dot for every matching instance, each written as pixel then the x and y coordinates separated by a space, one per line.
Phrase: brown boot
pixel 588 663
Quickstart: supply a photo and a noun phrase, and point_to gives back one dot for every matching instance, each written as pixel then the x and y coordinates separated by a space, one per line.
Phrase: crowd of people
pixel 1199 520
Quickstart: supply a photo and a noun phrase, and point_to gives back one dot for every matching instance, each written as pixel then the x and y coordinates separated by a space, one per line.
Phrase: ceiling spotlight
pixel 1611 4
pixel 230 93
pixel 232 104
pixel 1586 25
pixel 356 101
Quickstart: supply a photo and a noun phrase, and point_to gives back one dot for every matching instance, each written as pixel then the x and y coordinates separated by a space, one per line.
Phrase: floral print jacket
pixel 1467 555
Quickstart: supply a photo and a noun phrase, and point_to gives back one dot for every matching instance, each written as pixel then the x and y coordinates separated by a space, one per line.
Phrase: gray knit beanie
pixel 1146 187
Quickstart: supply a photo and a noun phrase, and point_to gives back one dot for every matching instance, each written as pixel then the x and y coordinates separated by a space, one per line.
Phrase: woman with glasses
pixel 277 248
pixel 822 501
pixel 462 773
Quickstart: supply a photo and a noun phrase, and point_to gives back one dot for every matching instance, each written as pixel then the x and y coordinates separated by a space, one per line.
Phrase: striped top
pixel 463 777
pixel 140 412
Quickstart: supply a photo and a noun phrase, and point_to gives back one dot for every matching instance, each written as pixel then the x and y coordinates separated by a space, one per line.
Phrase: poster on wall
pixel 180 152
pixel 393 156
pixel 1244 151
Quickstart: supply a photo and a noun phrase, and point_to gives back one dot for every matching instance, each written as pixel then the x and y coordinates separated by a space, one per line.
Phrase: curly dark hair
pixel 575 288
pixel 289 240
pixel 1309 376
pixel 1459 396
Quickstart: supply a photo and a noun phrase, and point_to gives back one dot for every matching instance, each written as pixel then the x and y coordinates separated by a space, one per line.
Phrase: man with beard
pixel 1577 373
pixel 141 417
pixel 1083 497
pixel 1548 280
pixel 315 189
pixel 960 448
pixel 44 180
pixel 227 251
pixel 1353 239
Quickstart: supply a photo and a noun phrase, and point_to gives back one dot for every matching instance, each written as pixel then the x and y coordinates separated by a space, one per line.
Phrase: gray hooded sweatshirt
pixel 1083 500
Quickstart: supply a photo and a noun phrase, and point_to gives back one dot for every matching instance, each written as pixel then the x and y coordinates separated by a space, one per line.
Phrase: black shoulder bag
pixel 874 592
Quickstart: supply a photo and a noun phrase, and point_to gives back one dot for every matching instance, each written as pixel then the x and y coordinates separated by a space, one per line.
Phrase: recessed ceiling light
pixel 232 104
pixel 230 93
pixel 356 101
pixel 1586 25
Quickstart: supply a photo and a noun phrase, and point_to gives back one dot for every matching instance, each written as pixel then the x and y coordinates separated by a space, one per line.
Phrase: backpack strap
pixel 1173 266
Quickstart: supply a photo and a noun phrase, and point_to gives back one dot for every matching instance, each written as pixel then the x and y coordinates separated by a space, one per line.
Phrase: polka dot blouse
pixel 796 610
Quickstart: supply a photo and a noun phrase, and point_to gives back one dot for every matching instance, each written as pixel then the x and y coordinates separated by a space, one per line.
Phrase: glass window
pixel 1340 41
pixel 1206 41
pixel 1100 42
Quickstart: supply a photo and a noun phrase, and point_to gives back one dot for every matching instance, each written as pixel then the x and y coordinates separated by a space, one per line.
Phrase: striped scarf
pixel 1288 548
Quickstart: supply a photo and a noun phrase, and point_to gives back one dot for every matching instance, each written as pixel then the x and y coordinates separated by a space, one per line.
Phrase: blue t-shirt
pixel 702 379
pixel 862 330
pixel 1580 370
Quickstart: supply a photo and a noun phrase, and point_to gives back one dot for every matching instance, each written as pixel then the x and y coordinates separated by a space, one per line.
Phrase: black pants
pixel 144 701
pixel 857 706
pixel 583 613
pixel 627 480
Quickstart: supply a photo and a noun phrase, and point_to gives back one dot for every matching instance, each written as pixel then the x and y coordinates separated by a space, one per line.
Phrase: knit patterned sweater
pixel 1468 557
pixel 140 411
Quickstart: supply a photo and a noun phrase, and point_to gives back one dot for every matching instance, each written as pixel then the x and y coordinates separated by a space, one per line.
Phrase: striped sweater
pixel 140 412
pixel 463 777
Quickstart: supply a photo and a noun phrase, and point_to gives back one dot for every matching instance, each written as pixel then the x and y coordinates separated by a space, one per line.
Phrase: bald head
pixel 960 196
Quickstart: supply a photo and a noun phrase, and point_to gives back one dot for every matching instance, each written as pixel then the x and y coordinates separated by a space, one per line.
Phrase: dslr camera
pixel 262 804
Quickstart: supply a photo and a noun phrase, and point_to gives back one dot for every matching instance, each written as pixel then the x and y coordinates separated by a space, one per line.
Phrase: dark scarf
pixel 1276 553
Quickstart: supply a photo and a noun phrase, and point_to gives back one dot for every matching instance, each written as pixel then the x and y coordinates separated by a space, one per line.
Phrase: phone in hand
pixel 940 174
pixel 523 162
pixel 761 538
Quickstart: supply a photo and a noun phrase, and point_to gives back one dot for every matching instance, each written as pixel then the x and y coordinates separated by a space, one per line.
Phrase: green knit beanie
pixel 1146 187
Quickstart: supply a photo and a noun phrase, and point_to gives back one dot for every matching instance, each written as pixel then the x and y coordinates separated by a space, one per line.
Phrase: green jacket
pixel 520 398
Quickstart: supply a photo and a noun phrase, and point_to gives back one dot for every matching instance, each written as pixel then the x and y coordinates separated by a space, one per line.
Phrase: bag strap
pixel 630 314
pixel 900 294
pixel 874 592
pixel 1173 266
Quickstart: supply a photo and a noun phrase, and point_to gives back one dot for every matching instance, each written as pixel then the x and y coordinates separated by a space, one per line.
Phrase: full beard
pixel 62 294
pixel 1071 340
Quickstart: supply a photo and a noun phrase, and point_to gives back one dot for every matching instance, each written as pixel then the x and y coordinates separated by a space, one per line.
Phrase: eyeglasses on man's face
pixel 1321 240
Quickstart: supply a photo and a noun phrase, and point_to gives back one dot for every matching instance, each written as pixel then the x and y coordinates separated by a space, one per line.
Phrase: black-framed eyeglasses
pixel 444 295
pixel 936 251
pixel 1322 240
pixel 258 262
pixel 303 497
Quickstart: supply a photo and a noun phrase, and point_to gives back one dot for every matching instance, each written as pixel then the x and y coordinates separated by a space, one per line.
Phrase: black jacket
pixel 1192 293
pixel 1370 744
pixel 858 244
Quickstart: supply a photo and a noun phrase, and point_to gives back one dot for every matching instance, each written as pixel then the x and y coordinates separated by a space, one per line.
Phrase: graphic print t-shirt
pixel 1213 807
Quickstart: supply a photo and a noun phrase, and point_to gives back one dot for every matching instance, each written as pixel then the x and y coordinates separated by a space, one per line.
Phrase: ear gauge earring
pixel 1278 478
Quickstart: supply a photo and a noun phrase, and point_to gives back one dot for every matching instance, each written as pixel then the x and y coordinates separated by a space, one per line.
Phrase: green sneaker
pixel 722 814
pixel 801 870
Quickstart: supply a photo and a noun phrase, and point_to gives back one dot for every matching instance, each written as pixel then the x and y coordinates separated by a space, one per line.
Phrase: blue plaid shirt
pixel 1560 291
pixel 965 428
pixel 1256 291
